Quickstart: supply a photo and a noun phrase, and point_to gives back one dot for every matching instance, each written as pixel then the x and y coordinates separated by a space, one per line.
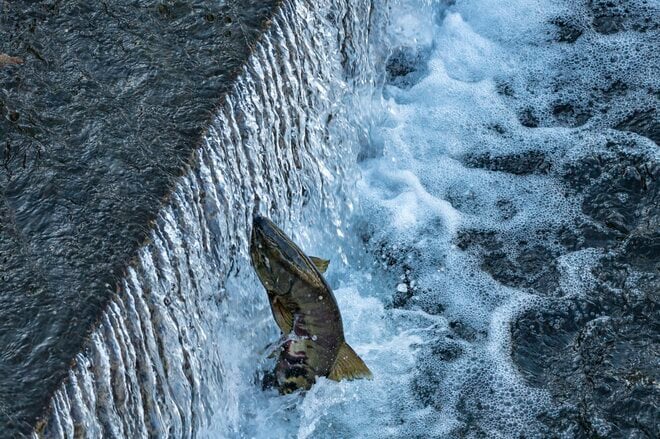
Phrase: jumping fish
pixel 305 310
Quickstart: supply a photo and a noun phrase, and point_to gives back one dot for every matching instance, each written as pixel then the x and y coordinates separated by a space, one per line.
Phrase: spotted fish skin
pixel 305 310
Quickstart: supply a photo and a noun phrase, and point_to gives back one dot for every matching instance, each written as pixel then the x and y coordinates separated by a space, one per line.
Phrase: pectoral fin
pixel 321 264
pixel 348 365
pixel 282 315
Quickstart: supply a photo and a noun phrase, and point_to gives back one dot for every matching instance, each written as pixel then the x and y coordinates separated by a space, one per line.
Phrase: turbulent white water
pixel 441 354
pixel 375 179
pixel 431 322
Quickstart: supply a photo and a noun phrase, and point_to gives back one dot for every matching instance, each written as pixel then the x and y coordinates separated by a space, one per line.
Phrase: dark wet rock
pixel 597 352
pixel 613 16
pixel 512 261
pixel 592 346
pixel 407 295
pixel 580 234
pixel 593 343
pixel 447 352
pixel 464 331
pixel 461 198
pixel 528 118
pixel 505 89
pixel 99 120
pixel 598 361
pixel 395 260
pixel 616 89
pixel 621 192
pixel 568 114
pixel 643 122
pixel 532 268
pixel 525 163
pixel 497 128
pixel 426 300
pixel 567 32
pixel 406 66
pixel 602 79
pixel 396 256
pixel 426 385
pixel 473 410
pixel 642 249
pixel 608 22
pixel 486 239
pixel 401 299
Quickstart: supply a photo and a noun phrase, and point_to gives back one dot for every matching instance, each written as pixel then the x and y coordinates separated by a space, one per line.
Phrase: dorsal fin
pixel 348 365
pixel 321 264
pixel 282 315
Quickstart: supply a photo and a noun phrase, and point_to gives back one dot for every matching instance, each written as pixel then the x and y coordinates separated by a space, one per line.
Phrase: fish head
pixel 277 259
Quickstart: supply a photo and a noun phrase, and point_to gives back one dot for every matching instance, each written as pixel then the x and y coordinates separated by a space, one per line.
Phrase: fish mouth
pixel 265 242
pixel 263 231
pixel 261 224
pixel 265 234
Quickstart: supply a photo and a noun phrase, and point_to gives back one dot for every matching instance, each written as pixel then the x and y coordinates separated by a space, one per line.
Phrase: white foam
pixel 417 196
pixel 441 361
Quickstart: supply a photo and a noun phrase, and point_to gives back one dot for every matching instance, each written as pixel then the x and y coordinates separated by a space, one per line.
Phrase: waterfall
pixel 282 142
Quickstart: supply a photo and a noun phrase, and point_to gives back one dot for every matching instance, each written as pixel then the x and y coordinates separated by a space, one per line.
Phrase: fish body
pixel 305 310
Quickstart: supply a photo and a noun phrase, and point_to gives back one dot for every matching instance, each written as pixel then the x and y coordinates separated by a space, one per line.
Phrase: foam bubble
pixel 465 218
pixel 465 180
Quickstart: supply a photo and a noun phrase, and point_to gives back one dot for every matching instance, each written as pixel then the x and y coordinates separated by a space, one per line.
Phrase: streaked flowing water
pixel 443 197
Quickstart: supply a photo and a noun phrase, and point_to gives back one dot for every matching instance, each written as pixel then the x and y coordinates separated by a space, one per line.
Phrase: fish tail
pixel 348 365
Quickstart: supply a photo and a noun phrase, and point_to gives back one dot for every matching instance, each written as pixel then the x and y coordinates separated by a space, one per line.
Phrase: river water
pixel 482 176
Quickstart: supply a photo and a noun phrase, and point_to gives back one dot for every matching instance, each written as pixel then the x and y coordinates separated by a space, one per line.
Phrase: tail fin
pixel 348 365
